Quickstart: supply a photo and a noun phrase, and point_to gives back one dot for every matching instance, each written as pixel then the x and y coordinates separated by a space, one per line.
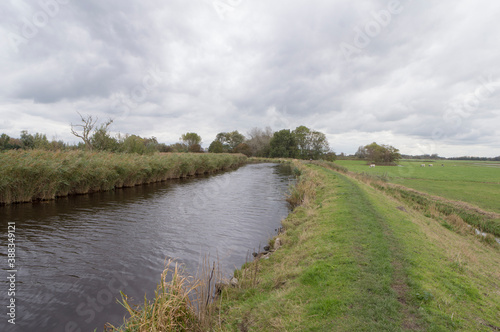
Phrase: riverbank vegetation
pixel 181 303
pixel 356 259
pixel 33 175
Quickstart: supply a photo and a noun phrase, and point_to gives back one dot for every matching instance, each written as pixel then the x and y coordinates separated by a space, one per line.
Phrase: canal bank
pixel 354 259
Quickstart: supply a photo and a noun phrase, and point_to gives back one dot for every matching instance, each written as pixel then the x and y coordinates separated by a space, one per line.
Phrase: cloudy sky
pixel 423 76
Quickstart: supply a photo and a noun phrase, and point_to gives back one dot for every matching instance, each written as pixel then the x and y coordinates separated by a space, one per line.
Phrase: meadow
pixel 477 183
pixel 33 175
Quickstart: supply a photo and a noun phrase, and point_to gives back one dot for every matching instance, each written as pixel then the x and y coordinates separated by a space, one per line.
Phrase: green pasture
pixel 474 182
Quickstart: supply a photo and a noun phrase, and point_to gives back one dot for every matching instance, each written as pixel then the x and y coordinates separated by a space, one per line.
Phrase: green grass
pixel 352 261
pixel 27 176
pixel 477 183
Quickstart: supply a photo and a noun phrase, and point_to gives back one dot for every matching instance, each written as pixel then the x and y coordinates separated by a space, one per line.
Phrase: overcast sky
pixel 423 76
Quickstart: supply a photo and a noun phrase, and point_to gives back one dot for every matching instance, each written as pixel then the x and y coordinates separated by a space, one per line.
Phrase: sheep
pixel 372 165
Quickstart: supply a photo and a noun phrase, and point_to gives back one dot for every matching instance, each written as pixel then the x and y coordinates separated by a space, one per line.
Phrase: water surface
pixel 75 254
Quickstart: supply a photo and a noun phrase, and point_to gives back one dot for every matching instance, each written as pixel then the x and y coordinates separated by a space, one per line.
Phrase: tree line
pixel 302 142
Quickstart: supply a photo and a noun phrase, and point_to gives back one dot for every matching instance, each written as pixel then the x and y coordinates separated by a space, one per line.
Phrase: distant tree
pixel 330 156
pixel 230 140
pixel 151 144
pixel 310 144
pixel 216 147
pixel 179 147
pixel 40 141
pixel 137 144
pixel 381 153
pixel 162 147
pixel 193 141
pixel 259 141
pixel 4 142
pixel 15 143
pixel 84 130
pixel 27 140
pixel 243 148
pixel 361 153
pixel 301 135
pixel 57 145
pixel 318 145
pixel 283 145
pixel 195 148
pixel 102 140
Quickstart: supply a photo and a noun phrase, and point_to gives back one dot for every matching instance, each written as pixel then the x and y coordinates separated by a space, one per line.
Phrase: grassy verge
pixel 27 176
pixel 354 259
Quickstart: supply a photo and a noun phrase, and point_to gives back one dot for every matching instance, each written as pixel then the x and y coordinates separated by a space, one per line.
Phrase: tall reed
pixel 27 176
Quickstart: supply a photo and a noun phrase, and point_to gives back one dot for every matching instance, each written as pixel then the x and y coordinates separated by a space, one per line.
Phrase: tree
pixel 283 145
pixel 379 153
pixel 85 129
pixel 243 148
pixel 4 142
pixel 102 140
pixel 193 141
pixel 310 144
pixel 179 147
pixel 301 134
pixel 319 145
pixel 230 140
pixel 259 141
pixel 195 148
pixel 27 140
pixel 40 141
pixel 361 153
pixel 216 147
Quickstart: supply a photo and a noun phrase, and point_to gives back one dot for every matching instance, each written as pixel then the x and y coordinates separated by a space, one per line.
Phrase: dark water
pixel 74 255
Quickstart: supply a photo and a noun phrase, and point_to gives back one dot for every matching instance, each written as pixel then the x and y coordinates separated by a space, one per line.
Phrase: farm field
pixel 477 183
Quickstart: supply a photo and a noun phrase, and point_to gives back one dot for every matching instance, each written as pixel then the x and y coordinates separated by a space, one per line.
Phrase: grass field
pixel 355 259
pixel 477 183
pixel 32 175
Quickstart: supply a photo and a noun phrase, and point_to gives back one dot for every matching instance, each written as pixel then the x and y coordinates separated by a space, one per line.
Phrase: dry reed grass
pixel 181 302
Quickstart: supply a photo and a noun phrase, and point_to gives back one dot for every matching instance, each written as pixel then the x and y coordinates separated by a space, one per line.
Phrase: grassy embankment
pixel 355 259
pixel 27 176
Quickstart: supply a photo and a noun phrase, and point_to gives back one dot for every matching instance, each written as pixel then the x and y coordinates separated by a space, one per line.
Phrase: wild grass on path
pixel 352 261
pixel 27 176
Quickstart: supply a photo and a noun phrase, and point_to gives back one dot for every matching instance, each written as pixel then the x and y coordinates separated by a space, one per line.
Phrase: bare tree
pixel 84 130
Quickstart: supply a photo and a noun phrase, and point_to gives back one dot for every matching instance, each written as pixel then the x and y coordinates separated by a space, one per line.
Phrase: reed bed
pixel 27 176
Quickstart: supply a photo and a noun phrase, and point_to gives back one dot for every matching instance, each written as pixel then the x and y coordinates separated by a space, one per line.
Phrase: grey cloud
pixel 227 73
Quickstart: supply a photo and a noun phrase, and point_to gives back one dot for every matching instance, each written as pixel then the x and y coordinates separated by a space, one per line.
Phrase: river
pixel 75 254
